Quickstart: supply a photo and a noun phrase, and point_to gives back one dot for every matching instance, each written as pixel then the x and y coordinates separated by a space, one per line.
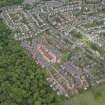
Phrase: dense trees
pixel 9 2
pixel 22 82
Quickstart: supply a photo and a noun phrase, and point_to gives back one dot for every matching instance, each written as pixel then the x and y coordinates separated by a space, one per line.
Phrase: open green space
pixel 91 45
pixel 65 56
pixel 94 96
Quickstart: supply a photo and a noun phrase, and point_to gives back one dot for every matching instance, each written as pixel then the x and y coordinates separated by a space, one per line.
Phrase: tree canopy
pixel 22 82
pixel 10 2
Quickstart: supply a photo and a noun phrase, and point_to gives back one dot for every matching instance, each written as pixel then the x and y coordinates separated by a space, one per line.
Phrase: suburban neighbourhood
pixel 65 37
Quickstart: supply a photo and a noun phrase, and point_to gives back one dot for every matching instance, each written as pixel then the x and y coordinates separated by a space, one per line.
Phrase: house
pixel 48 55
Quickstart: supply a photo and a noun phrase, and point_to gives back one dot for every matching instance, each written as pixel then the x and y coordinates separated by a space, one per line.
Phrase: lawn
pixel 94 96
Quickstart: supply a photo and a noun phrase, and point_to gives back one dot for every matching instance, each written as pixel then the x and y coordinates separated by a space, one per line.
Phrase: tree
pixel 22 82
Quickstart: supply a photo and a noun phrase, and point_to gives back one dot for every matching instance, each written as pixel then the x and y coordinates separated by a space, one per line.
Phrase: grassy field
pixel 94 96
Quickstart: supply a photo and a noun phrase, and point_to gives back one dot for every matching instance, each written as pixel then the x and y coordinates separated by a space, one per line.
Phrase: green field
pixel 94 96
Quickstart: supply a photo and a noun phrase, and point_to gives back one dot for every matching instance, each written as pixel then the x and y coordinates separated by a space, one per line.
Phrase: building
pixel 48 55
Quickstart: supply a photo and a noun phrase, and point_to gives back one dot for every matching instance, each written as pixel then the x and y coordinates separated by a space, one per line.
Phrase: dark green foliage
pixel 10 2
pixel 22 82
pixel 76 34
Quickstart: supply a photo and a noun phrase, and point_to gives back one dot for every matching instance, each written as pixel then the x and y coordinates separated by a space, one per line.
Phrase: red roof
pixel 47 54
